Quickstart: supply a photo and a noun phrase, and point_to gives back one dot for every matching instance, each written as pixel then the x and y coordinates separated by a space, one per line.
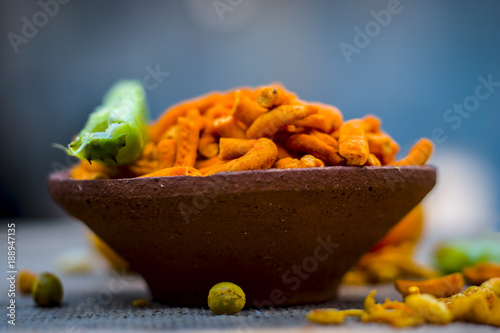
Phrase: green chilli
pixel 116 131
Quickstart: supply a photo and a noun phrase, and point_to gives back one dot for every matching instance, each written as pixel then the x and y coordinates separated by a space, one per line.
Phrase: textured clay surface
pixel 285 236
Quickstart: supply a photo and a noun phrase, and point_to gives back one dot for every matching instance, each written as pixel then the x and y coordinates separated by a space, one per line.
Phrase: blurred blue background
pixel 408 68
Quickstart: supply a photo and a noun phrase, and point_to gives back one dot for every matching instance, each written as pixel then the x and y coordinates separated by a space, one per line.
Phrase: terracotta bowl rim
pixel 64 174
pixel 252 181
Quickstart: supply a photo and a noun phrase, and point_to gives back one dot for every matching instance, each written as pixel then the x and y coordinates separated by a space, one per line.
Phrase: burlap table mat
pixel 101 301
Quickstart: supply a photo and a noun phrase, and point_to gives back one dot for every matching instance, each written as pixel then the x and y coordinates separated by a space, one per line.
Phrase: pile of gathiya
pixel 255 129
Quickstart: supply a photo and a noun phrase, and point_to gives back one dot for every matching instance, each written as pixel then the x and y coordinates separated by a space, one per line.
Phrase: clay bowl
pixel 285 236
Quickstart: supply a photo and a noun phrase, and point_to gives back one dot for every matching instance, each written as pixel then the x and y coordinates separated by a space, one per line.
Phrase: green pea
pixel 47 290
pixel 226 298
pixel 450 260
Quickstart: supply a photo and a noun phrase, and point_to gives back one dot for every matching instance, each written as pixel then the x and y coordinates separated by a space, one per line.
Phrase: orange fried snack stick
pixel 234 148
pixel 227 127
pixel 205 165
pixel 316 121
pixel 430 308
pixel 246 110
pixel 171 115
pixel 335 134
pixel 282 152
pixel 166 153
pixel 333 114
pixel 407 231
pixel 371 124
pixel 269 97
pixel 326 120
pixel 419 153
pixel 218 111
pixel 481 272
pixel 444 286
pixel 170 133
pixel 85 170
pixel 494 315
pixel 208 162
pixel 175 171
pixel 260 157
pixel 187 142
pixel 353 145
pixel 331 316
pixel 383 146
pixel 312 145
pixel 326 138
pixel 293 129
pixel 114 259
pixel 207 146
pixel 147 162
pixel 287 163
pixel 268 124
pixel 473 308
pixel 309 161
pixel 373 161
pixel 492 284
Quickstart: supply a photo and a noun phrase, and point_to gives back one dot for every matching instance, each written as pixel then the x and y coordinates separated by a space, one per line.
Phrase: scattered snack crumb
pixel 331 316
pixel 481 272
pixel 116 261
pixel 480 305
pixel 75 261
pixel 140 303
pixel 386 265
pixel 492 284
pixel 430 308
pixel 26 280
pixel 413 290
pixel 444 286
pixel 392 257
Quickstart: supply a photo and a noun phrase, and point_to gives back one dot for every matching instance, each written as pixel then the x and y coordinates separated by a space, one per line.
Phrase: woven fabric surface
pixel 101 300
